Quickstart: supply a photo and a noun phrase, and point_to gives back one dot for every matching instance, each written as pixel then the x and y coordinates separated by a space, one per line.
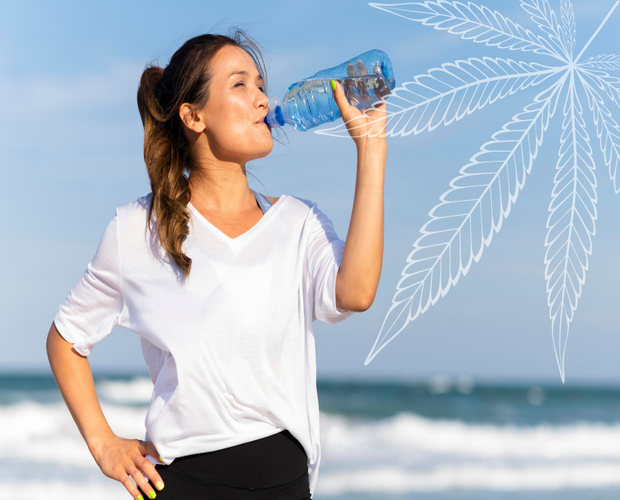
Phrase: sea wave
pixel 409 453
pixel 410 434
pixel 137 390
pixel 59 490
pixel 403 453
pixel 47 433
pixel 585 475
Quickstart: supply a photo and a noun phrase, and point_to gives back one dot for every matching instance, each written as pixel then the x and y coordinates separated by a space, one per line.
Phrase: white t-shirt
pixel 230 351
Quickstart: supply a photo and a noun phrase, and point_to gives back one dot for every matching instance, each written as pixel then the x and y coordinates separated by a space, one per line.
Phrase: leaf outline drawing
pixel 481 197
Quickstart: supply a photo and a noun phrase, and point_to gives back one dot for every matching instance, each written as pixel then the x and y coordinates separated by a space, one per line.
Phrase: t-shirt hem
pixel 68 333
pixel 234 442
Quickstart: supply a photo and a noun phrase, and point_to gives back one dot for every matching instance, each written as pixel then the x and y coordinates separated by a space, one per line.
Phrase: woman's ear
pixel 191 118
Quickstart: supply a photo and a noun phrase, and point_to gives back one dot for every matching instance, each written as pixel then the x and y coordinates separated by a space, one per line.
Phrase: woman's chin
pixel 264 151
pixel 258 156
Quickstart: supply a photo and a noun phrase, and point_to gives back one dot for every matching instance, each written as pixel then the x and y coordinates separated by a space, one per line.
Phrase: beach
pixel 438 439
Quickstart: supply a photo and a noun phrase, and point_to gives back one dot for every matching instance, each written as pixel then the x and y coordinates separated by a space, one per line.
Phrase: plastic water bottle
pixel 366 79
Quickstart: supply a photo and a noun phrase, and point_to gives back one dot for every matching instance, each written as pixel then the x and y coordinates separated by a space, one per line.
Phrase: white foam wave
pixel 48 434
pixel 399 454
pixel 58 490
pixel 585 475
pixel 137 390
pixel 409 453
pixel 407 433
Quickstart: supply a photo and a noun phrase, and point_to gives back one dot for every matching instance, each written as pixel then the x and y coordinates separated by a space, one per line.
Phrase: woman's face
pixel 234 113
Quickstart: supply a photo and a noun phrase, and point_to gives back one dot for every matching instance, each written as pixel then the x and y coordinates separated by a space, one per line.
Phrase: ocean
pixel 435 439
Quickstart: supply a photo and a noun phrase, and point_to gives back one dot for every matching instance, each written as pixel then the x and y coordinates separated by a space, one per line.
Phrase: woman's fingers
pixel 353 118
pixel 126 481
pixel 135 471
pixel 341 101
pixel 347 111
pixel 148 448
pixel 124 459
pixel 370 123
pixel 142 483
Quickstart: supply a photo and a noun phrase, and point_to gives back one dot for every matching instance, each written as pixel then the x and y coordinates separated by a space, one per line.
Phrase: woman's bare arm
pixel 362 258
pixel 117 457
pixel 358 277
pixel 75 381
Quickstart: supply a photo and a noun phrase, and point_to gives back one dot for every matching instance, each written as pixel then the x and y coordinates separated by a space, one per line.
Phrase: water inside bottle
pixel 364 91
pixel 310 102
pixel 361 91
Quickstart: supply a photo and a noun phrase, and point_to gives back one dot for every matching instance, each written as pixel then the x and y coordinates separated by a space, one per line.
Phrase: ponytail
pixel 169 163
pixel 165 164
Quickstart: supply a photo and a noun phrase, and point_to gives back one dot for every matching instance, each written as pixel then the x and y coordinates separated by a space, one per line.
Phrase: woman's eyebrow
pixel 245 73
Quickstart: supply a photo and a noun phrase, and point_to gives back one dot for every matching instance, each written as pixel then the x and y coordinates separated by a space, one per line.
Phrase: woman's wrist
pixel 372 156
pixel 96 442
pixel 373 144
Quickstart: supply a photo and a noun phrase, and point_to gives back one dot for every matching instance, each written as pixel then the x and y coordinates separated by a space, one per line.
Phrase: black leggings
pixel 271 468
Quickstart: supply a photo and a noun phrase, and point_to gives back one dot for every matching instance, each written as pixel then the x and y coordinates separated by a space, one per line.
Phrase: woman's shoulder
pixel 294 204
pixel 137 207
pixel 302 203
pixel 306 210
pixel 134 214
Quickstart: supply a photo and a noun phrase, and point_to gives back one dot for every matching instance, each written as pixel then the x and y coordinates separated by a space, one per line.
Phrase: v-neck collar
pixel 262 201
pixel 244 236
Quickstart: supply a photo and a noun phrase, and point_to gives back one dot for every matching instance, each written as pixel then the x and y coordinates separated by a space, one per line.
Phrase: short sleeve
pixel 94 305
pixel 324 258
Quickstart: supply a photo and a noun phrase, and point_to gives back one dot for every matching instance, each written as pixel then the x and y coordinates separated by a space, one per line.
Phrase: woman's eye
pixel 260 88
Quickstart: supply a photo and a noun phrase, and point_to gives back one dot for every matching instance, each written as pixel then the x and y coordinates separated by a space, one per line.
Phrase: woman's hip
pixel 271 468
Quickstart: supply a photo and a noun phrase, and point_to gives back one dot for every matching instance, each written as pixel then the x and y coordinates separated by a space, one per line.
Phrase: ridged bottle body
pixel 366 79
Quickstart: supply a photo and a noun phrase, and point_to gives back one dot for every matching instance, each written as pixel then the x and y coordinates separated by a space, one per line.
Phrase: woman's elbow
pixel 365 303
pixel 357 296
pixel 357 304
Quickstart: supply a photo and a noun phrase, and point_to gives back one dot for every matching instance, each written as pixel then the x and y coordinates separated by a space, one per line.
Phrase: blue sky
pixel 71 142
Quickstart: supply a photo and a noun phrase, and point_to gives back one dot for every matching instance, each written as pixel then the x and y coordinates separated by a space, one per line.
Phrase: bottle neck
pixel 275 117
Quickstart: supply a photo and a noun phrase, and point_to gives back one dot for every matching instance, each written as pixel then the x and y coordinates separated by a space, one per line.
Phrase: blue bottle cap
pixel 275 117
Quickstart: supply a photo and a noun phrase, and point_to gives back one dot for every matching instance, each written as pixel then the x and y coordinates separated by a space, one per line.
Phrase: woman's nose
pixel 263 100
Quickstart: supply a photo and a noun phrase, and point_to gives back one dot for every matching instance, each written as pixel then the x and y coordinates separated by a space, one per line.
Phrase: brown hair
pixel 162 91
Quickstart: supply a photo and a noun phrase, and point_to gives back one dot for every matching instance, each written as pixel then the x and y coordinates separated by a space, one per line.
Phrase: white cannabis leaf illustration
pixel 481 197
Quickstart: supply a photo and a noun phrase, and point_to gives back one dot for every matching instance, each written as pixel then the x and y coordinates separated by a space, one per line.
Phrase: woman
pixel 222 284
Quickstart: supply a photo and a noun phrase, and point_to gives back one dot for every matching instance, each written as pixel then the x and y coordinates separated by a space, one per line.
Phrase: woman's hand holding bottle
pixel 362 258
pixel 364 125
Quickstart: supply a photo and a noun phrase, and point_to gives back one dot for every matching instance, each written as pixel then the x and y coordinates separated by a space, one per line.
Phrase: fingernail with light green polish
pixel 139 497
pixel 161 459
pixel 152 494
pixel 333 85
pixel 160 485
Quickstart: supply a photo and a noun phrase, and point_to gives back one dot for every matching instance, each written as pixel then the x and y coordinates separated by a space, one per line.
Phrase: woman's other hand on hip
pixel 123 459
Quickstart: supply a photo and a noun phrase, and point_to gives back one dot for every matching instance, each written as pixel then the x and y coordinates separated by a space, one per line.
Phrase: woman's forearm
pixel 360 269
pixel 75 381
